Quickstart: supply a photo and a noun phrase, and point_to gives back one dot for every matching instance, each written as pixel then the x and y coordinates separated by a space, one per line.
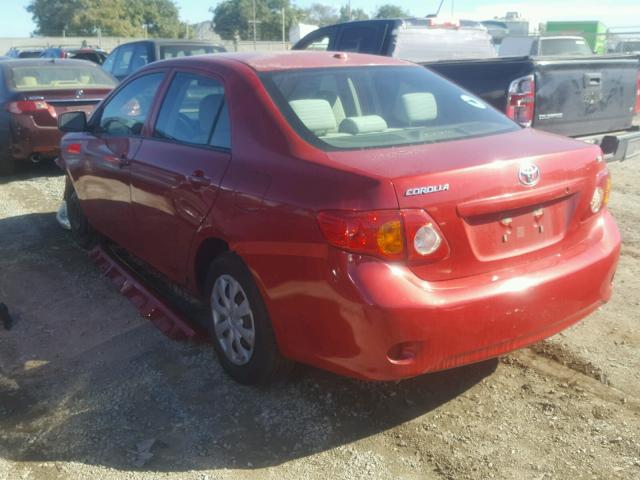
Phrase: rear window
pixel 369 107
pixel 57 76
pixel 174 51
pixel 564 46
pixel 631 47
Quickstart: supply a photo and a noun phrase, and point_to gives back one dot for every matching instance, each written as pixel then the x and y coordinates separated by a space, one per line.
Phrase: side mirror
pixel 72 122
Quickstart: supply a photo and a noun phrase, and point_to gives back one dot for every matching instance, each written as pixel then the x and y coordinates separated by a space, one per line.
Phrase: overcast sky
pixel 16 22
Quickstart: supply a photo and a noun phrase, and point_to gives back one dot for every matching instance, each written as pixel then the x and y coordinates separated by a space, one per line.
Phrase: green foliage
pixel 356 14
pixel 112 17
pixel 233 17
pixel 391 11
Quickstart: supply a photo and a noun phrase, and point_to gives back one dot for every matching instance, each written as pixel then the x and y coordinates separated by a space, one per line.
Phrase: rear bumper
pixel 466 320
pixel 617 146
pixel 29 139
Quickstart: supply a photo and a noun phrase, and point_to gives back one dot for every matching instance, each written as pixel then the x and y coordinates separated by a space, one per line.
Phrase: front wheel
pixel 240 327
pixel 81 231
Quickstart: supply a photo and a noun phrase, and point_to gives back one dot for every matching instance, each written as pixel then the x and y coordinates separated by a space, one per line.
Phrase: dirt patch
pixel 90 390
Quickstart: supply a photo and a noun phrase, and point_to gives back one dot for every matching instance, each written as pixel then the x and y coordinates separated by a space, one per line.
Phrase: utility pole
pixel 350 13
pixel 284 43
pixel 255 23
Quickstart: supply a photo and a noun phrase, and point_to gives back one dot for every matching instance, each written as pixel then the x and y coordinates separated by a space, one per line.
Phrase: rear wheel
pixel 81 231
pixel 240 327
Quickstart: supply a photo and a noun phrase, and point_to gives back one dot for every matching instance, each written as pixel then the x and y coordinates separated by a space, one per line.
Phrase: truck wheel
pixel 7 164
pixel 240 327
pixel 81 231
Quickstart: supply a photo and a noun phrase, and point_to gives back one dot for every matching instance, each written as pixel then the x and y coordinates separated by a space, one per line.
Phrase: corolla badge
pixel 529 174
pixel 426 189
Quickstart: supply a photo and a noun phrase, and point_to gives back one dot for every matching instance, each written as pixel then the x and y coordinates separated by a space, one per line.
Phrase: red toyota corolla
pixel 356 213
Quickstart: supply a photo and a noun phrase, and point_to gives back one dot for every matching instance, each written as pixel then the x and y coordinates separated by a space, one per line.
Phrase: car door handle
pixel 198 179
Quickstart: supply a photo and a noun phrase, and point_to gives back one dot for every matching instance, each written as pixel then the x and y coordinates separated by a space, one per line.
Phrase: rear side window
pixel 194 112
pixel 361 39
pixel 368 107
pixel 175 51
pixel 126 112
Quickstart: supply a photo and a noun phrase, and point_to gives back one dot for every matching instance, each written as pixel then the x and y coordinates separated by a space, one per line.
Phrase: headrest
pixel 416 107
pixel 316 114
pixel 364 124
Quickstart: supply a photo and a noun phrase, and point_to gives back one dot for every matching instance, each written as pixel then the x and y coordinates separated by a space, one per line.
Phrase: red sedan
pixel 356 213
pixel 32 95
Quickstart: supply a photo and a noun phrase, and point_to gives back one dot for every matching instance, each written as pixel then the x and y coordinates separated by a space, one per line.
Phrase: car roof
pixel 289 60
pixel 172 41
pixel 35 62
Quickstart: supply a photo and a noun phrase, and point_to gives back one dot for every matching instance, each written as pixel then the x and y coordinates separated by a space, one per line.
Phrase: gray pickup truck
pixel 592 98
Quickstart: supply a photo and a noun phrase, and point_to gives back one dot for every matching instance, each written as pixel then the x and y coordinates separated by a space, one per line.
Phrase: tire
pixel 81 231
pixel 259 363
pixel 7 164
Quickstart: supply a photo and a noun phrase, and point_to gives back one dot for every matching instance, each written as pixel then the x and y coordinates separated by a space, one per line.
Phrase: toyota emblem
pixel 529 174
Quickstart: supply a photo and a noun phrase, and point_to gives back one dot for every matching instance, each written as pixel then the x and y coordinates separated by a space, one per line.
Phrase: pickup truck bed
pixel 592 98
pixel 589 98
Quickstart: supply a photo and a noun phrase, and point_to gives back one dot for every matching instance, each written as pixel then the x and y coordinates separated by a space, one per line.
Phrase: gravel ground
pixel 89 390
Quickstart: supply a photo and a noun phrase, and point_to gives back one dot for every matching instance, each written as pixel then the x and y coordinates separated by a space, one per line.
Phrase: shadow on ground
pixel 84 379
pixel 27 170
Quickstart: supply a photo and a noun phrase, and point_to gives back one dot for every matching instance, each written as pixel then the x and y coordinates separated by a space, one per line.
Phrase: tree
pixel 319 14
pixel 356 14
pixel 112 17
pixel 391 11
pixel 233 17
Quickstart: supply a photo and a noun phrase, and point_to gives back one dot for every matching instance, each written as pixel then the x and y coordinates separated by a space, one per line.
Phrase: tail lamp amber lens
pixel 390 239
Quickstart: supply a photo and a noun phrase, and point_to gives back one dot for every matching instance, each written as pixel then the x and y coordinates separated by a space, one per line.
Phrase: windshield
pixel 173 51
pixel 57 76
pixel 564 46
pixel 367 107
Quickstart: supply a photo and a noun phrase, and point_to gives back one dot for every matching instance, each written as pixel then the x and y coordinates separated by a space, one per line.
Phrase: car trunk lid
pixel 490 218
pixel 63 101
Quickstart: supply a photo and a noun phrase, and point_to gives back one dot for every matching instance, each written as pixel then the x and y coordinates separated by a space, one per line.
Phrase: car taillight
pixel 521 100
pixel 600 196
pixel 638 94
pixel 410 235
pixel 30 106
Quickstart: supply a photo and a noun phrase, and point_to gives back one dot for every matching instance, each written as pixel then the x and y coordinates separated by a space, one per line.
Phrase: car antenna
pixel 434 15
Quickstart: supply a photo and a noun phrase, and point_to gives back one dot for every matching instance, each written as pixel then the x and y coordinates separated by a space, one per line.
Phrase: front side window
pixel 194 112
pixel 367 107
pixel 107 66
pixel 123 61
pixel 127 111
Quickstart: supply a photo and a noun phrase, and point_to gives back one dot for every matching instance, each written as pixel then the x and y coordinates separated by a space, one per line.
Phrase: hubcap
pixel 232 319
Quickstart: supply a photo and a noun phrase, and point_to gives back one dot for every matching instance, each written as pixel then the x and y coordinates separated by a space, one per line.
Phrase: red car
pixel 352 212
pixel 32 95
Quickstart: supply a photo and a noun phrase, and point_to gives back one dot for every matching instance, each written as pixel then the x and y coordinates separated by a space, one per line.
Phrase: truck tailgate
pixel 582 96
